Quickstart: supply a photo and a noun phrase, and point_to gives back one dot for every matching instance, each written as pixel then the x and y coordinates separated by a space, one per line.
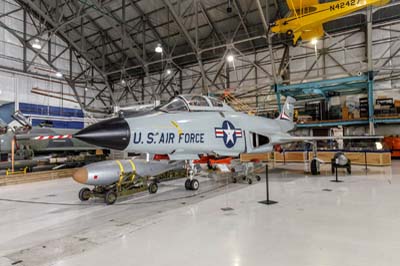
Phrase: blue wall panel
pixel 53 111
pixel 35 109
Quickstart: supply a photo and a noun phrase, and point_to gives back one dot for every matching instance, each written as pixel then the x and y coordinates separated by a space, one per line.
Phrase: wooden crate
pixel 247 157
pixel 357 158
pixel 295 156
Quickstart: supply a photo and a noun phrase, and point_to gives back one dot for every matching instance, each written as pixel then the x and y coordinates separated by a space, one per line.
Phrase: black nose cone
pixel 112 134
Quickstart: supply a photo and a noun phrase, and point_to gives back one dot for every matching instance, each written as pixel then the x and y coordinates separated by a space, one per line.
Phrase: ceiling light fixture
pixel 36 44
pixel 314 41
pixel 158 49
pixel 59 75
pixel 230 58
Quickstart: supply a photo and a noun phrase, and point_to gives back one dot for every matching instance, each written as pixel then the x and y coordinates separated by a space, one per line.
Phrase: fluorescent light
pixel 36 44
pixel 378 145
pixel 314 41
pixel 230 58
pixel 158 49
pixel 59 75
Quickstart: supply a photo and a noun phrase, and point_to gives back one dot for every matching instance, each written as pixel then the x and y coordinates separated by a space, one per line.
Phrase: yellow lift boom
pixel 306 17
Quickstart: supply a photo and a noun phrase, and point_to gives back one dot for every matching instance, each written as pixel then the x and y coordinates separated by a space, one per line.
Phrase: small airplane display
pixel 305 18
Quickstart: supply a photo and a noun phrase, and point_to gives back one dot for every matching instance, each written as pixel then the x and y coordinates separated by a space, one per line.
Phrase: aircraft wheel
pixel 153 188
pixel 84 194
pixel 234 180
pixel 249 181
pixel 289 33
pixel 110 197
pixel 187 184
pixel 315 167
pixel 194 184
pixel 258 178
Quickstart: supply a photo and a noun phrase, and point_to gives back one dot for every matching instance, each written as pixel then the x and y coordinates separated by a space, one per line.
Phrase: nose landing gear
pixel 191 183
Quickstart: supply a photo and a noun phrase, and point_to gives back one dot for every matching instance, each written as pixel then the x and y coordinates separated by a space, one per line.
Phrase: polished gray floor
pixel 316 222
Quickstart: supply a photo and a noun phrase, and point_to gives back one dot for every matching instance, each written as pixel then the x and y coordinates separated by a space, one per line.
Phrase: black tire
pixel 249 181
pixel 315 167
pixel 234 180
pixel 153 188
pixel 110 197
pixel 84 194
pixel 194 184
pixel 289 33
pixel 187 184
pixel 258 178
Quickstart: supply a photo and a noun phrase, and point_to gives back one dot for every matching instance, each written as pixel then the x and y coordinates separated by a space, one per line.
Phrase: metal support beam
pixel 370 72
pixel 53 24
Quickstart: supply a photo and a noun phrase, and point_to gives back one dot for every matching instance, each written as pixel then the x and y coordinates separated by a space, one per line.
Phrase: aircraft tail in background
pixel 285 118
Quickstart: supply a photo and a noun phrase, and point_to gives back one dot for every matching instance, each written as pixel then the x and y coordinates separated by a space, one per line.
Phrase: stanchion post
pixel 336 178
pixel 365 161
pixel 267 201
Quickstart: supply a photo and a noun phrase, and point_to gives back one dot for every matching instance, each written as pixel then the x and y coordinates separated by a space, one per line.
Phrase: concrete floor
pixel 316 222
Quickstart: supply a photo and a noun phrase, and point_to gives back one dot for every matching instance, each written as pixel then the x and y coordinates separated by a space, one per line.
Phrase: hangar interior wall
pixel 19 74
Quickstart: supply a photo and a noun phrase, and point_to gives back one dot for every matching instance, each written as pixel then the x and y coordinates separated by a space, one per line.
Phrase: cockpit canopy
pixel 195 103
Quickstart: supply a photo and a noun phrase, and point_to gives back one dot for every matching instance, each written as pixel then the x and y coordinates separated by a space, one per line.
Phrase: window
pixel 215 102
pixel 175 105
pixel 198 101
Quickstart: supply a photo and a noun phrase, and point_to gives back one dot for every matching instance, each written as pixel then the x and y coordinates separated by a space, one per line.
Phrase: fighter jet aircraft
pixel 190 126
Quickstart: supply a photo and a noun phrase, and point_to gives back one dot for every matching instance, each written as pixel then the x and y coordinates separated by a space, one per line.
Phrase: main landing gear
pixel 191 183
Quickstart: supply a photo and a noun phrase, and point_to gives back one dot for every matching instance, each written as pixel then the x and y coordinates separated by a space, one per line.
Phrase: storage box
pixel 356 114
pixel 345 113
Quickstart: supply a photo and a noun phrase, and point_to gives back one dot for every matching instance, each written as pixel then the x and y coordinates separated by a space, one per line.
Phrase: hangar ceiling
pixel 119 37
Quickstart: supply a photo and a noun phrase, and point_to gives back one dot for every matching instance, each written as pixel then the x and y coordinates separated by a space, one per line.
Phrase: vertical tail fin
pixel 287 109
pixel 285 118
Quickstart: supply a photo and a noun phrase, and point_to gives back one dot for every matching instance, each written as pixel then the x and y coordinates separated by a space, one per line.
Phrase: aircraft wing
pixel 287 139
pixel 297 4
pixel 312 32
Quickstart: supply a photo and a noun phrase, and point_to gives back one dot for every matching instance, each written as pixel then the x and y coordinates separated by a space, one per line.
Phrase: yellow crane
pixel 305 18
